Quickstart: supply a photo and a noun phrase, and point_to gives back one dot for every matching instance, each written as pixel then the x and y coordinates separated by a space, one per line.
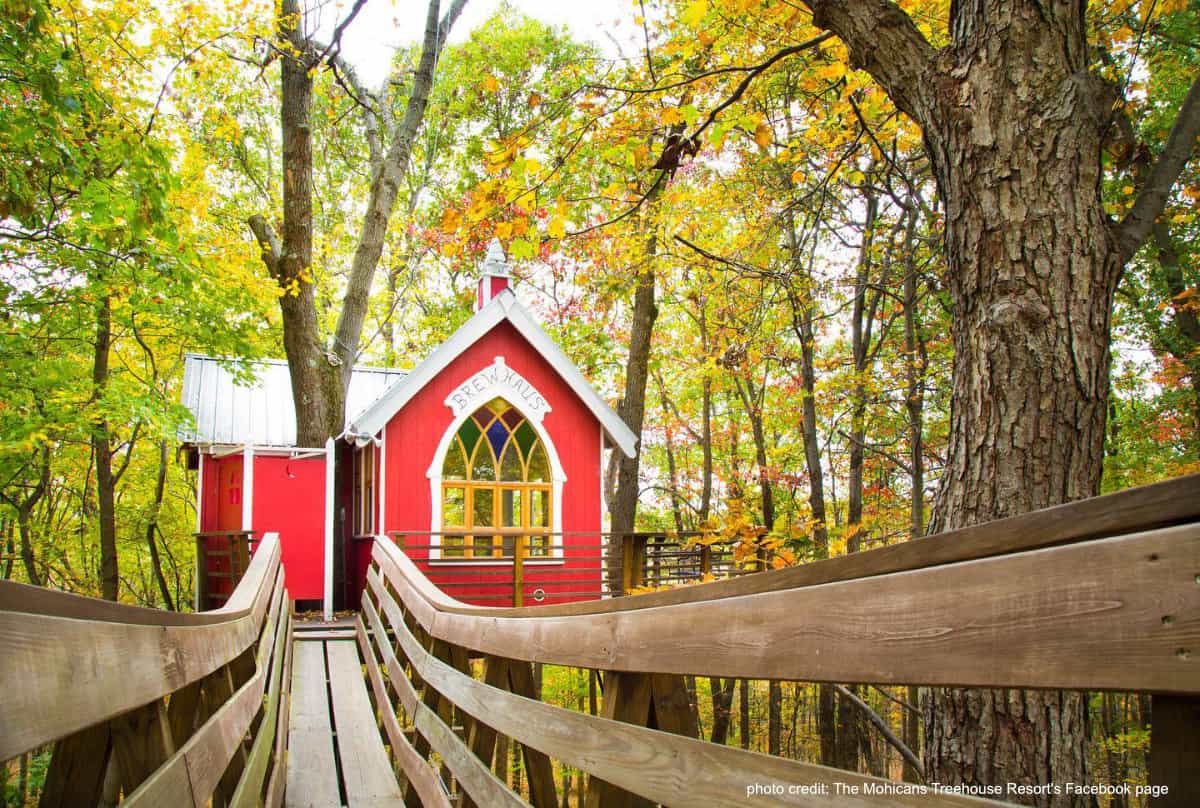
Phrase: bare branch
pixel 1151 200
pixel 884 730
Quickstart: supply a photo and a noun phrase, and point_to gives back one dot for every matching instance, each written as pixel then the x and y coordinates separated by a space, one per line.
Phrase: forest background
pixel 735 234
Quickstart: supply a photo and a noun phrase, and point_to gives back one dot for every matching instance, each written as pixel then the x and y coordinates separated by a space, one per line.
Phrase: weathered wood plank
pixel 311 770
pixel 278 779
pixel 483 786
pixel 88 671
pixel 1082 616
pixel 1138 509
pixel 422 778
pixel 666 768
pixel 249 791
pixel 366 770
pixel 194 771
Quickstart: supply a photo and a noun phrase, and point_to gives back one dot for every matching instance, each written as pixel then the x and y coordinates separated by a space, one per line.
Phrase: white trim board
pixel 502 307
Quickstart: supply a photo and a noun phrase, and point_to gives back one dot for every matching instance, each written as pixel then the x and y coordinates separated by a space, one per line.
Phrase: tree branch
pixel 385 185
pixel 1151 200
pixel 884 41
pixel 268 242
pixel 887 734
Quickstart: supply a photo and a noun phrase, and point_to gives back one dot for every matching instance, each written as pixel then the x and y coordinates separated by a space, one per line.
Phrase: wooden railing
pixel 222 557
pixel 1096 595
pixel 160 708
pixel 655 559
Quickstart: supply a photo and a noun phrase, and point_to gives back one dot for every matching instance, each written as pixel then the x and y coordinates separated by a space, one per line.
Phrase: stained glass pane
pixel 510 465
pixel 497 405
pixel 498 434
pixel 526 437
pixel 539 469
pixel 512 417
pixel 482 416
pixel 483 467
pixel 469 434
pixel 455 467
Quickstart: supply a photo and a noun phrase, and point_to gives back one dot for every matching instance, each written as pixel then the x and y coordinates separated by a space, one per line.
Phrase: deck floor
pixel 336 755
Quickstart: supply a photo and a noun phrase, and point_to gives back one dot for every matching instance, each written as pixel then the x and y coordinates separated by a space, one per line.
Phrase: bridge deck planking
pixel 311 770
pixel 333 733
pixel 366 770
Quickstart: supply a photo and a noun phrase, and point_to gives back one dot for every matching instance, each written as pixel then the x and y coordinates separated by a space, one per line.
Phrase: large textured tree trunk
pixel 1032 276
pixel 1013 123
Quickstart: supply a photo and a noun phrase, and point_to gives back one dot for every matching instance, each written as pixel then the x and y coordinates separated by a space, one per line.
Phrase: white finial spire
pixel 495 262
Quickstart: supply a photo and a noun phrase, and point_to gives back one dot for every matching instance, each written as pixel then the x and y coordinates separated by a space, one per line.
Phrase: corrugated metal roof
pixel 261 413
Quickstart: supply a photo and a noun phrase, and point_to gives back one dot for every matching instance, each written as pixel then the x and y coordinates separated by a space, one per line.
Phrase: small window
pixel 364 491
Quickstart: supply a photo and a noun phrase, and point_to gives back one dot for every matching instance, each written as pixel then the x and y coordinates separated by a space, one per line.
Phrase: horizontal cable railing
pixel 153 708
pixel 1096 595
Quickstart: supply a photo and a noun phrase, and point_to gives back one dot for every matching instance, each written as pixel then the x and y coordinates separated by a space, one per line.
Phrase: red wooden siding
pixel 413 435
pixel 289 498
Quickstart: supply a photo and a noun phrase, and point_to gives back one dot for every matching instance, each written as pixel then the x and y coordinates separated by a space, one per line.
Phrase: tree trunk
pixel 861 320
pixel 102 452
pixel 1013 123
pixel 722 704
pixel 633 402
pixel 744 712
pixel 160 487
pixel 914 383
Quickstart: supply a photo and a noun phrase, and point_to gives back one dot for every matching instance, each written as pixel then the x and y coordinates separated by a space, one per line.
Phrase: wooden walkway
pixel 336 755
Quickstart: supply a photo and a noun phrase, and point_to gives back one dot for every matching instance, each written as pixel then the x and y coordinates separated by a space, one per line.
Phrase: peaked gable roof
pixel 502 307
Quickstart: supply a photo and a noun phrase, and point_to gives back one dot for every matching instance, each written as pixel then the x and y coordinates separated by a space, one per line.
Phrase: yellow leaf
pixel 557 227
pixel 490 84
pixel 694 13
pixel 671 116
pixel 763 135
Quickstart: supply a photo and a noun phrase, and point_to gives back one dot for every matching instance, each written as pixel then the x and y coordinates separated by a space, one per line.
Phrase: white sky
pixel 383 25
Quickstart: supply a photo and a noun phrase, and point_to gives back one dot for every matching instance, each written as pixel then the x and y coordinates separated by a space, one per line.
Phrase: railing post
pixel 201 574
pixel 633 562
pixel 1174 747
pixel 705 560
pixel 519 550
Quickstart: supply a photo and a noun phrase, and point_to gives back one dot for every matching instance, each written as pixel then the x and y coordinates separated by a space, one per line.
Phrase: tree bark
pixel 160 487
pixel 633 403
pixel 320 375
pixel 102 452
pixel 1013 123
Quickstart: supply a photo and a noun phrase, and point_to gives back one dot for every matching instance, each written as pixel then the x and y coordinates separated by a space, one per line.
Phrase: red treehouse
pixel 484 462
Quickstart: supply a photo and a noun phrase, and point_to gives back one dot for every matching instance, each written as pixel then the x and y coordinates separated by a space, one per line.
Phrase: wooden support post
pixel 520 547
pixel 141 742
pixel 77 767
pixel 1175 750
pixel 633 562
pixel 656 700
pixel 705 560
pixel 542 792
pixel 201 574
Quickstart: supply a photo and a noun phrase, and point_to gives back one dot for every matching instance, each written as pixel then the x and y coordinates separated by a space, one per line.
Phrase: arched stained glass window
pixel 495 475
pixel 501 445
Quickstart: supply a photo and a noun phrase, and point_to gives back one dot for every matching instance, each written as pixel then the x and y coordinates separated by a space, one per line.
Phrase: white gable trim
pixel 503 307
